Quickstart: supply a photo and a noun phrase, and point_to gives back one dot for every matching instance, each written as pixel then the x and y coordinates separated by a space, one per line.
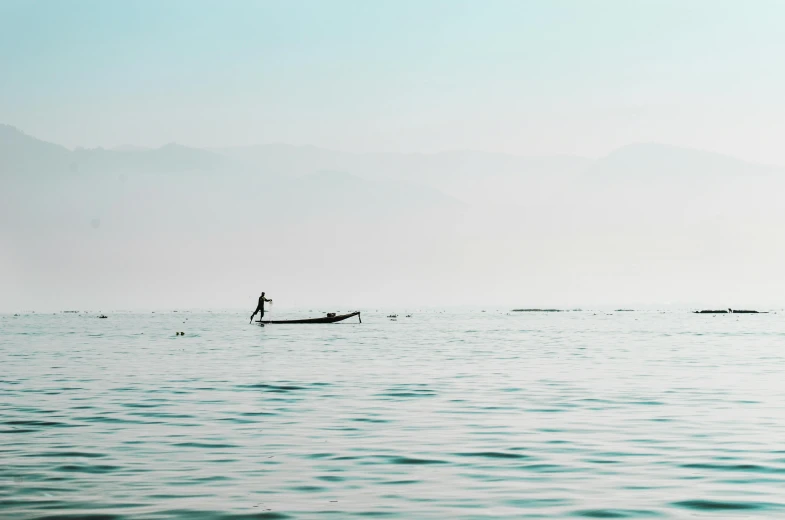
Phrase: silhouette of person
pixel 260 307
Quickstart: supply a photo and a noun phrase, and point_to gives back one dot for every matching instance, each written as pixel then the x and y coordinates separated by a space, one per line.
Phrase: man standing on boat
pixel 260 307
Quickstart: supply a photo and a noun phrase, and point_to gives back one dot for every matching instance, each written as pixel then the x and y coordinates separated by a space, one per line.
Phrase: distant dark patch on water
pixel 215 515
pixel 87 468
pixel 281 388
pixel 115 420
pixel 67 454
pixel 32 422
pixel 274 388
pixel 235 420
pixel 715 505
pixel 412 460
pixel 399 482
pixel 80 516
pixel 615 513
pixel 319 455
pixel 331 478
pixel 308 489
pixel 407 391
pixel 370 420
pixel 389 460
pixel 214 478
pixel 493 455
pixel 203 445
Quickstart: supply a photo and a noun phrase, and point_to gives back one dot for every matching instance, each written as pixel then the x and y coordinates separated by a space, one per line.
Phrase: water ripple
pixel 461 415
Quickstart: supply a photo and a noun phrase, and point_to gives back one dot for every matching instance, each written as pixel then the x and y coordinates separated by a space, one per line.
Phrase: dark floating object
pixel 625 310
pixel 102 316
pixel 729 311
pixel 536 310
pixel 409 315
pixel 392 316
pixel 326 319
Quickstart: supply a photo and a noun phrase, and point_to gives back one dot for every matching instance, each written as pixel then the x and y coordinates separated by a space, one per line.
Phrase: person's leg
pixel 261 314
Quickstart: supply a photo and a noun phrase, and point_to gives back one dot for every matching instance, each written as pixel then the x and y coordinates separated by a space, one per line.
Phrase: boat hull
pixel 325 319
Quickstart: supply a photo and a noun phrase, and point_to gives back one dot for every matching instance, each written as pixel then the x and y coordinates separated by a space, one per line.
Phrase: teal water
pixel 463 415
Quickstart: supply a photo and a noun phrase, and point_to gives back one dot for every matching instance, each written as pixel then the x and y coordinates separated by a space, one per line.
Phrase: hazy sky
pixel 529 77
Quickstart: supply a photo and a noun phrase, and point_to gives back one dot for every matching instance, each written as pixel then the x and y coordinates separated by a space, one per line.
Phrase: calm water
pixel 441 415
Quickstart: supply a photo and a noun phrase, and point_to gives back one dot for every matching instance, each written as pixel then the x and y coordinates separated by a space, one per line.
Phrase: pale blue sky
pixel 529 77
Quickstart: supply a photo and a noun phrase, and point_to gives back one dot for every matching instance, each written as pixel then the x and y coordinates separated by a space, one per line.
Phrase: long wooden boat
pixel 324 319
pixel 730 311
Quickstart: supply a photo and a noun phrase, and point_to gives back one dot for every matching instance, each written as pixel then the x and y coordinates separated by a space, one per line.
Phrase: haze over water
pixel 446 414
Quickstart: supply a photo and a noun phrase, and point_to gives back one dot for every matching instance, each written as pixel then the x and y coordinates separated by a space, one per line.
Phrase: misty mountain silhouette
pixel 442 226
pixel 22 153
pixel 659 161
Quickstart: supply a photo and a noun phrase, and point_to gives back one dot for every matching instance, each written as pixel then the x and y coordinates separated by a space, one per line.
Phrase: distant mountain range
pixel 643 223
pixel 22 153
